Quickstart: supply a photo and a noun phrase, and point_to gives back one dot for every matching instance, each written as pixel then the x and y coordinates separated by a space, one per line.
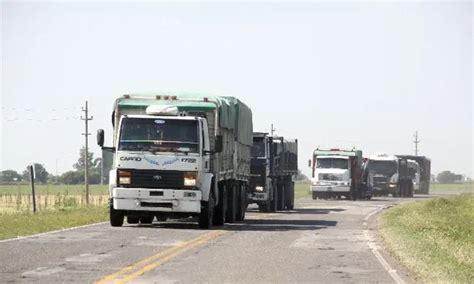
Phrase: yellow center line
pixel 135 270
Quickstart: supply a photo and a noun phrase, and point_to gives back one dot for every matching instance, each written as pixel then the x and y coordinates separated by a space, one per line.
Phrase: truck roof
pixel 233 114
pixel 382 157
pixel 185 101
pixel 337 152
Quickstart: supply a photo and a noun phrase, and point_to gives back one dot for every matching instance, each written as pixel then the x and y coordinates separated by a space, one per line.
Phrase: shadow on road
pixel 247 225
pixel 309 211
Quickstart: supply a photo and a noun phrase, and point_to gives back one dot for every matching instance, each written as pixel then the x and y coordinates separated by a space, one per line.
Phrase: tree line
pixel 75 176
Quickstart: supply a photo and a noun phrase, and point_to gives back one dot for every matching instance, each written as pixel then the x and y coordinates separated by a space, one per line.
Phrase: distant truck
pixel 424 164
pixel 274 167
pixel 337 173
pixel 395 175
pixel 179 155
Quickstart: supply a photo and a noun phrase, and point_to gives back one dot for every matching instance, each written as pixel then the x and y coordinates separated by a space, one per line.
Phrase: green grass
pixel 467 187
pixel 47 189
pixel 434 238
pixel 302 190
pixel 24 223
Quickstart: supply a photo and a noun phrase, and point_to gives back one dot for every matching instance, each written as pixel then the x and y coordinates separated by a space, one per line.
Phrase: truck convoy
pixel 179 155
pixel 337 173
pixel 274 167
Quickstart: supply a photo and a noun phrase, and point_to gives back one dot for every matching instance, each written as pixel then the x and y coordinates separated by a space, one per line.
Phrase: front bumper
pixel 330 188
pixel 159 200
pixel 258 196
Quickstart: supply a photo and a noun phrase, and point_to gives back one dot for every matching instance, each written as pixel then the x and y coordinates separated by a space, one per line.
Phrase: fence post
pixel 32 178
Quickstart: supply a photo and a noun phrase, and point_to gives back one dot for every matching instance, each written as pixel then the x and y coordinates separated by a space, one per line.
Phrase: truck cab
pixel 336 173
pixel 384 169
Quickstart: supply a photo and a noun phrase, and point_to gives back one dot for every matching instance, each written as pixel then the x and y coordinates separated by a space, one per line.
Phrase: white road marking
pixel 50 232
pixel 373 247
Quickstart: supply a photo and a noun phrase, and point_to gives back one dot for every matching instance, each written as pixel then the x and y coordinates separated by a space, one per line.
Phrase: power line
pixel 86 134
pixel 417 141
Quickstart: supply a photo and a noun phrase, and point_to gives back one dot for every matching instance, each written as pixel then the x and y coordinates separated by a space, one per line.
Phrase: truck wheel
pixel 264 207
pixel 290 200
pixel 161 218
pixel 207 212
pixel 281 197
pixel 133 219
pixel 242 203
pixel 147 219
pixel 315 195
pixel 231 211
pixel 116 217
pixel 274 200
pixel 220 209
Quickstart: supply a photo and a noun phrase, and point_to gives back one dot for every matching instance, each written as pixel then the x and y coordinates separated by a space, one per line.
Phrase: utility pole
pixel 272 130
pixel 416 143
pixel 86 134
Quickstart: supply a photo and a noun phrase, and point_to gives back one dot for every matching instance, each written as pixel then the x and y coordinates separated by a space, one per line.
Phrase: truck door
pixel 204 134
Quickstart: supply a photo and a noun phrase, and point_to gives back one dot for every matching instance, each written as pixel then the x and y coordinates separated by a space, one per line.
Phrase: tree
pixel 77 177
pixel 41 174
pixel 448 177
pixel 9 176
pixel 72 177
pixel 80 165
pixel 301 177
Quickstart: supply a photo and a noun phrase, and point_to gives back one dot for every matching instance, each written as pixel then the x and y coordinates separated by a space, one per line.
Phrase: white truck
pixel 179 155
pixel 337 173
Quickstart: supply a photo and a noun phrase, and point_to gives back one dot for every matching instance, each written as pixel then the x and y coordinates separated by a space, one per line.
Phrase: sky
pixel 363 74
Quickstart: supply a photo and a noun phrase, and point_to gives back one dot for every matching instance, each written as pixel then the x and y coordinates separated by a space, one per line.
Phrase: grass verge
pixel 452 188
pixel 26 223
pixel 433 238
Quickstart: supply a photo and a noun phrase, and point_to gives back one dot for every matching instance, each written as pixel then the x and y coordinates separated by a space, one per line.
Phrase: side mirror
pixel 100 137
pixel 218 144
pixel 309 163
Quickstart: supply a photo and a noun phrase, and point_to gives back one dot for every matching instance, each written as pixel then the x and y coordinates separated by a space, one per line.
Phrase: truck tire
pixel 116 217
pixel 161 218
pixel 147 219
pixel 133 219
pixel 242 203
pixel 281 197
pixel 274 200
pixel 221 207
pixel 231 212
pixel 207 212
pixel 264 207
pixel 290 196
pixel 315 195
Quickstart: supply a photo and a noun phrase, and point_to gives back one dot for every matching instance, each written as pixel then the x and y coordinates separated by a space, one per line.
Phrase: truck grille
pixel 380 181
pixel 156 179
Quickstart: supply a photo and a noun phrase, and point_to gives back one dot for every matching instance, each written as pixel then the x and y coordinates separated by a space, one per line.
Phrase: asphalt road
pixel 320 241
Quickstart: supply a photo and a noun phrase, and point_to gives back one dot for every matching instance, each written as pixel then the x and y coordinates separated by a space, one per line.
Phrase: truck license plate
pixel 329 188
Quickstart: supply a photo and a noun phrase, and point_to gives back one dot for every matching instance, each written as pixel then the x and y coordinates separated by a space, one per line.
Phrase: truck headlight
pixel 124 177
pixel 190 179
pixel 259 188
pixel 392 185
pixel 315 183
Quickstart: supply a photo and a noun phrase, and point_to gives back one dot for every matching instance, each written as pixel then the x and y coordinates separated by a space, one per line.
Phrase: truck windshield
pixel 382 167
pixel 258 148
pixel 158 135
pixel 327 163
